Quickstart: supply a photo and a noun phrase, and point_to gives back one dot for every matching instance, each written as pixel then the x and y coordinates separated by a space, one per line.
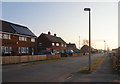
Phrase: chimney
pixel 48 33
pixel 54 34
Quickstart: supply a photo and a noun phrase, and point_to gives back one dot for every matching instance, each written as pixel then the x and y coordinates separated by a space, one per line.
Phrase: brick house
pixel 50 42
pixel 17 39
pixel 85 49
pixel 72 46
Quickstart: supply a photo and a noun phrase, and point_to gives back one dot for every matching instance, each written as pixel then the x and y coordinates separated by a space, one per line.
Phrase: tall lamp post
pixel 104 46
pixel 88 9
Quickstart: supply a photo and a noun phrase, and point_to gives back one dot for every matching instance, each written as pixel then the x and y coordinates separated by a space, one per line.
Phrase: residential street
pixel 49 72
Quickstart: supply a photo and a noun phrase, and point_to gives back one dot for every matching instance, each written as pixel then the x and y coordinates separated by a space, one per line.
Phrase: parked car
pixel 45 52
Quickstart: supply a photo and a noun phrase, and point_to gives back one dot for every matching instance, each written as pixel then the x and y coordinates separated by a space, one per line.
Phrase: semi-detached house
pixel 50 42
pixel 17 39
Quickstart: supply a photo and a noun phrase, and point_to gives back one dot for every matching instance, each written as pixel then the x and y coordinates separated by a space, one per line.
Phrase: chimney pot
pixel 54 34
pixel 48 33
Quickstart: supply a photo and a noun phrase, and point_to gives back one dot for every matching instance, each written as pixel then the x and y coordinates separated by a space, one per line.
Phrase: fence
pixel 29 58
pixel 77 54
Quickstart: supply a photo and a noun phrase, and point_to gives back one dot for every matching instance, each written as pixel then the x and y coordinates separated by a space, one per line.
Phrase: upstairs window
pixel 53 44
pixel 32 39
pixel 57 44
pixel 40 44
pixel 0 35
pixel 6 36
pixel 21 38
pixel 65 45
pixel 62 44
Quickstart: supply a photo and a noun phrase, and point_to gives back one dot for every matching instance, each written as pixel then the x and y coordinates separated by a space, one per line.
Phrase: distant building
pixel 72 46
pixel 50 42
pixel 17 39
pixel 85 49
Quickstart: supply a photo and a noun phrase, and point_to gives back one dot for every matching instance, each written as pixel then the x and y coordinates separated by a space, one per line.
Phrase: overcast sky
pixel 67 19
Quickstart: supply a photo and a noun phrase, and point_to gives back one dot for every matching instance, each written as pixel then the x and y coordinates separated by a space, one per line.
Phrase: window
pixel 32 39
pixel 40 44
pixel 19 50
pixel 25 39
pixel 27 50
pixel 1 36
pixel 53 44
pixel 57 44
pixel 21 38
pixel 23 50
pixel 62 44
pixel 6 36
pixel 10 49
pixel 65 45
pixel 6 49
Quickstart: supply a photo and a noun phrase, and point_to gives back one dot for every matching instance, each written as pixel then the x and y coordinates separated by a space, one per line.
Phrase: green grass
pixel 104 56
pixel 94 65
pixel 44 62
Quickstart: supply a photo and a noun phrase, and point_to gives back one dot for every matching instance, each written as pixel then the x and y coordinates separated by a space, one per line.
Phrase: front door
pixel 32 51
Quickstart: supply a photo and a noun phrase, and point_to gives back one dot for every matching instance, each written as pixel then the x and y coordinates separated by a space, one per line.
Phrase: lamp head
pixel 86 9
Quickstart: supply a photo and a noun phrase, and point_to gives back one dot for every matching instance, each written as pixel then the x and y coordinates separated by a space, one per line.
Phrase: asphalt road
pixel 50 72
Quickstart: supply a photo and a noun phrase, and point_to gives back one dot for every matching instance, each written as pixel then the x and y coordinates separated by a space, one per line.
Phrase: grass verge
pixel 104 56
pixel 94 65
pixel 44 62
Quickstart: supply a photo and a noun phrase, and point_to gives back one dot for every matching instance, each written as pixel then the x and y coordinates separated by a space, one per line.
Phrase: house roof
pixel 54 39
pixel 71 45
pixel 15 28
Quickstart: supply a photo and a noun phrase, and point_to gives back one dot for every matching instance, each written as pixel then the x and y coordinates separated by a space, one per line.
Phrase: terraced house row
pixel 20 40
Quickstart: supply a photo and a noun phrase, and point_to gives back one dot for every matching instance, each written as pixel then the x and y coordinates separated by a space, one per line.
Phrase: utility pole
pixel 79 42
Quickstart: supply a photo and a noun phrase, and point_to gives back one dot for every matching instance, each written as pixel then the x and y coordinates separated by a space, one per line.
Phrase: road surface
pixel 49 72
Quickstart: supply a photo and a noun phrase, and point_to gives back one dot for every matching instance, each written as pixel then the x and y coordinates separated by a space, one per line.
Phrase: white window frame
pixel 22 38
pixel 1 35
pixel 6 36
pixel 6 49
pixel 27 50
pixel 10 49
pixel 62 44
pixel 32 39
pixel 57 44
pixel 40 44
pixel 19 50
pixel 53 44
pixel 65 45
pixel 25 38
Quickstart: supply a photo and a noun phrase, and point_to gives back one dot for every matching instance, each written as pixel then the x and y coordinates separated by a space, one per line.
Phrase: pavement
pixel 104 73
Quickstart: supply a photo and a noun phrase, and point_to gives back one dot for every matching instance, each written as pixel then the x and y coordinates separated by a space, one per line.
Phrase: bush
pixel 3 54
pixel 64 55
pixel 13 53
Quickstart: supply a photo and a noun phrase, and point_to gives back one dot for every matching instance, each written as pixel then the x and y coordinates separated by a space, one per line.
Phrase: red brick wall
pixel 13 43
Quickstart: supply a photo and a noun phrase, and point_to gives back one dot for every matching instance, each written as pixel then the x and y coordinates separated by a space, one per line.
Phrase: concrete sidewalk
pixel 104 73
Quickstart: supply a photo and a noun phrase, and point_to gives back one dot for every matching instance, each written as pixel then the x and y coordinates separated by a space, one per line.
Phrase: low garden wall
pixel 28 58
pixel 77 54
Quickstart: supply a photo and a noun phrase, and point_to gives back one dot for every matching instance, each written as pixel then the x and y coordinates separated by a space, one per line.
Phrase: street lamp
pixel 88 9
pixel 104 46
